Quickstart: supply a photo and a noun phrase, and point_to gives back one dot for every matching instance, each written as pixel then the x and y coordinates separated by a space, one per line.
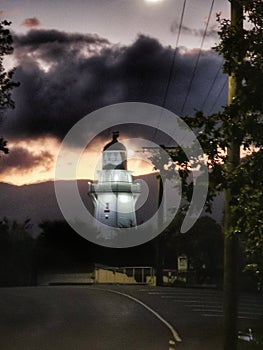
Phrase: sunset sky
pixel 74 57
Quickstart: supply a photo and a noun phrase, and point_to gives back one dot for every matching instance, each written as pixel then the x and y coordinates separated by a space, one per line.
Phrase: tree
pixel 223 134
pixel 59 246
pixel 202 244
pixel 239 125
pixel 6 77
pixel 16 253
pixel 249 213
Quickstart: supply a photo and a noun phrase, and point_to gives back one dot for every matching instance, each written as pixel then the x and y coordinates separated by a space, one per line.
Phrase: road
pixel 76 318
pixel 197 314
pixel 116 318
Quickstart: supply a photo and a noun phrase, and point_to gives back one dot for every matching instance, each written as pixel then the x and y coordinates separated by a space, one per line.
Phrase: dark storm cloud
pixel 20 159
pixel 81 73
pixel 211 31
pixel 31 22
pixel 52 45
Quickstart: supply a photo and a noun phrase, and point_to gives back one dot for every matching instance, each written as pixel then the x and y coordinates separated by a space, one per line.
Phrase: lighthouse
pixel 114 194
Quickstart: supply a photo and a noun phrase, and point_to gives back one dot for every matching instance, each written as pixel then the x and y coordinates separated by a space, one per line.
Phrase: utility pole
pixel 231 242
pixel 160 240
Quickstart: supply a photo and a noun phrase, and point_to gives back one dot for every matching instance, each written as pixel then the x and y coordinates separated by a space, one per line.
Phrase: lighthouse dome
pixel 114 154
pixel 114 145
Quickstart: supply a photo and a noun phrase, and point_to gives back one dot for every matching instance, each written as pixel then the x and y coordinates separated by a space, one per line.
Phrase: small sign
pixel 182 263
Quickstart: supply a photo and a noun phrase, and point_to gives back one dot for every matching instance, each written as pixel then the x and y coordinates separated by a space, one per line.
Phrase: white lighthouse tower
pixel 114 194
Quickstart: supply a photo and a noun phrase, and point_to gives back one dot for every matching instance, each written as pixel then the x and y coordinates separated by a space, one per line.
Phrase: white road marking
pixel 203 294
pixel 171 345
pixel 198 302
pixel 211 311
pixel 180 297
pixel 254 306
pixel 208 310
pixel 161 293
pixel 166 323
pixel 192 301
pixel 212 315
pixel 250 313
pixel 248 317
pixel 250 297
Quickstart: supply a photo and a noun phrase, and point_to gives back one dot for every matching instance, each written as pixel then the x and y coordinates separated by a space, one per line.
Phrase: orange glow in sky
pixel 89 162
pixel 39 172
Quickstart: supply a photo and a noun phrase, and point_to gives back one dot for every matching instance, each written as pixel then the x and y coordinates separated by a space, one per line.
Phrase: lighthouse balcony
pixel 127 187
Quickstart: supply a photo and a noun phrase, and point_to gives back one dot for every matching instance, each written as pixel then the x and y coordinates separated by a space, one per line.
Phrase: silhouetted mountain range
pixel 37 202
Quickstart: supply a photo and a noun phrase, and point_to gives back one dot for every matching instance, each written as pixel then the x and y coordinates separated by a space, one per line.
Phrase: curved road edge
pixel 175 334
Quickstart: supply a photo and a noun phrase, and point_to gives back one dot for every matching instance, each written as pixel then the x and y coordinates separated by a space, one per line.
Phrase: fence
pixel 124 275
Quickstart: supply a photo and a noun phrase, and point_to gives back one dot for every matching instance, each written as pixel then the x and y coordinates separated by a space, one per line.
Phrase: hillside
pixel 38 201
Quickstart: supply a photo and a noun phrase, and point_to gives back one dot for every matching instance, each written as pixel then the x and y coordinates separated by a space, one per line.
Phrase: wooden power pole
pixel 231 243
pixel 160 240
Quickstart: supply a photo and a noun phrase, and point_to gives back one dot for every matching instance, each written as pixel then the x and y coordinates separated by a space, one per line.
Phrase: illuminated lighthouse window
pixel 112 159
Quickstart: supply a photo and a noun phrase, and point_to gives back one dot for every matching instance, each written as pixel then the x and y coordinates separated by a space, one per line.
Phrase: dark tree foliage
pixel 241 122
pixel 59 246
pixel 249 213
pixel 6 77
pixel 16 254
pixel 203 246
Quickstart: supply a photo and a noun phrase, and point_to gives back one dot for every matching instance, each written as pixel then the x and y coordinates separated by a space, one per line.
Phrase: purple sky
pixel 120 21
pixel 73 57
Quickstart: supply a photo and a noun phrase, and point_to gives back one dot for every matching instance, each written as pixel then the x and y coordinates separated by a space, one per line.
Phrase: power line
pixel 198 58
pixel 171 68
pixel 219 94
pixel 174 55
pixel 212 85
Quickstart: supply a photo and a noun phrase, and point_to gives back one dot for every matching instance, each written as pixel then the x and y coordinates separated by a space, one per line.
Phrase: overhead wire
pixel 198 58
pixel 171 67
pixel 212 85
pixel 251 25
pixel 174 55
pixel 226 80
pixel 218 95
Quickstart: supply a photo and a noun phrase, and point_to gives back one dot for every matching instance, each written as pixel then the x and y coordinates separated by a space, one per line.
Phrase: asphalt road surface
pixel 76 318
pixel 117 317
pixel 197 314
